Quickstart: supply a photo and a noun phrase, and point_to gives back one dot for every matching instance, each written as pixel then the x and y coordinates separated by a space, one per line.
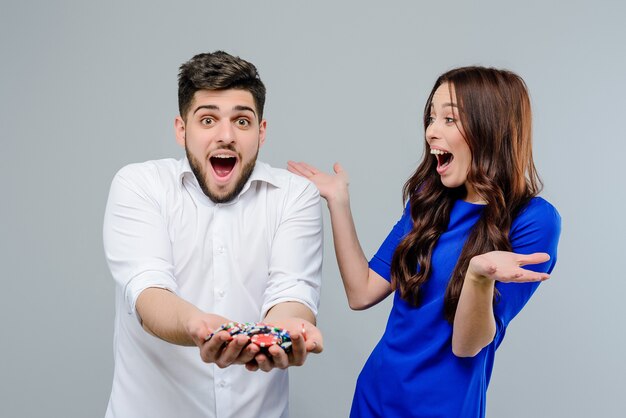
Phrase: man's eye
pixel 243 122
pixel 206 121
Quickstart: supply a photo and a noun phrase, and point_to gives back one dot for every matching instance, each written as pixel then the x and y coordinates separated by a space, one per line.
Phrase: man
pixel 199 242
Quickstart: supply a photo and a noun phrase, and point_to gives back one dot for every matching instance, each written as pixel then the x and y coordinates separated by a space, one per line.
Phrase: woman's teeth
pixel 443 157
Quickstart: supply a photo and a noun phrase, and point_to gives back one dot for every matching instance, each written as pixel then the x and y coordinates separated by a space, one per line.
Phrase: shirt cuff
pixel 144 280
pixel 308 303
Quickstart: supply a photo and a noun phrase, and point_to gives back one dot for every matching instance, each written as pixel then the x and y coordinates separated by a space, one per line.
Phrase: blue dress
pixel 412 371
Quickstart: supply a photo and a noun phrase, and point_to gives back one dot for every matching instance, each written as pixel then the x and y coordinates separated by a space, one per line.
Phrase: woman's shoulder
pixel 538 207
pixel 538 215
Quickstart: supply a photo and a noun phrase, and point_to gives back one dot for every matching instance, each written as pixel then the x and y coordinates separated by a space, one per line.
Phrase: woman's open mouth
pixel 444 158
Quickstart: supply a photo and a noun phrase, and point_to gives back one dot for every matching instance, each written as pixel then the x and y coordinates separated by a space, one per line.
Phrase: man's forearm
pixel 167 316
pixel 287 310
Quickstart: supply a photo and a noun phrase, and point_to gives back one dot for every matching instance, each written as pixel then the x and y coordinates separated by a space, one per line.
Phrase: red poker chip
pixel 265 340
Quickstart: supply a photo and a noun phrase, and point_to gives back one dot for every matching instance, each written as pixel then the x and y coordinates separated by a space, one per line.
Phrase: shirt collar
pixel 262 172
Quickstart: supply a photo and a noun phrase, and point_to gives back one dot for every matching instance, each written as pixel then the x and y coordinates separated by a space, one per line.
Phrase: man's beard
pixel 198 171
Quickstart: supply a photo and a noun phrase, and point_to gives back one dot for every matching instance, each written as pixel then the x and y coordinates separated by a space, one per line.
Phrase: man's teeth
pixel 438 151
pixel 222 156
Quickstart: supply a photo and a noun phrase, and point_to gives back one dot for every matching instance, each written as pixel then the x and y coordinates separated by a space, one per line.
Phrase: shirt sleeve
pixel 136 242
pixel 536 229
pixel 295 267
pixel 381 261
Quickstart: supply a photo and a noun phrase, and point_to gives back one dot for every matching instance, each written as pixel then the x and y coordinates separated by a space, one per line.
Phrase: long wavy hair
pixel 496 122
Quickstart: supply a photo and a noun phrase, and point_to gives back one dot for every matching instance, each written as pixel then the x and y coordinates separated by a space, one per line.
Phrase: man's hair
pixel 218 71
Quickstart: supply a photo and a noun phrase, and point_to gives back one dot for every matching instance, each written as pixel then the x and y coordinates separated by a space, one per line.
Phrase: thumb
pixel 534 258
pixel 337 168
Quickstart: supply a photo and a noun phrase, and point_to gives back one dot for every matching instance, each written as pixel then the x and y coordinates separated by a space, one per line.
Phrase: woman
pixel 470 249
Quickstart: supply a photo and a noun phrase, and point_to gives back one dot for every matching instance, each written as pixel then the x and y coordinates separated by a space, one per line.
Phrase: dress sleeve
pixel 381 262
pixel 536 229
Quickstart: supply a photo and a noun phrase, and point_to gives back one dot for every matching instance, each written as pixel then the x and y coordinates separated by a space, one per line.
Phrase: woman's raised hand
pixel 332 187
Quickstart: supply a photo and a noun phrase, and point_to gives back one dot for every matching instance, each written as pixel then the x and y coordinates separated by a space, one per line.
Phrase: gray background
pixel 87 87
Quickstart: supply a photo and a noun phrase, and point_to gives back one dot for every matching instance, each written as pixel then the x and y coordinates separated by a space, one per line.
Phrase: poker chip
pixel 286 345
pixel 261 334
pixel 233 328
pixel 265 340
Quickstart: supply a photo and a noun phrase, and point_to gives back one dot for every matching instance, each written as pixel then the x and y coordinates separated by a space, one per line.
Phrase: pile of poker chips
pixel 261 334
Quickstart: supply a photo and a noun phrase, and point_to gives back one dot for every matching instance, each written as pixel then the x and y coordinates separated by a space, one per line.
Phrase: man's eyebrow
pixel 245 108
pixel 211 107
pixel 214 107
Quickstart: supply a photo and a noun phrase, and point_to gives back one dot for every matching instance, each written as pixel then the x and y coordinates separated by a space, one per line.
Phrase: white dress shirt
pixel 235 259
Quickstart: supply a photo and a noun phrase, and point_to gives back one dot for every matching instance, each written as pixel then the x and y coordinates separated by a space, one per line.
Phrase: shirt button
pixel 221 293
pixel 222 384
pixel 220 249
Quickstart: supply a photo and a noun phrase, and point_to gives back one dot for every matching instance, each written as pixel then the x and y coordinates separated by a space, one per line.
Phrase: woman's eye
pixel 450 120
pixel 430 120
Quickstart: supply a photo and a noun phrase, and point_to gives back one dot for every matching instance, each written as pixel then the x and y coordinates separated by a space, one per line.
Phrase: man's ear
pixel 179 130
pixel 262 128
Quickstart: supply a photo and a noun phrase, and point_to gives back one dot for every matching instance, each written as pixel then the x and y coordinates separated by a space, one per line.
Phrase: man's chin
pixel 221 195
pixel 224 193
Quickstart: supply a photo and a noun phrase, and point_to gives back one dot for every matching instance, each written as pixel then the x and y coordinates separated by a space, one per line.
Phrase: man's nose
pixel 226 132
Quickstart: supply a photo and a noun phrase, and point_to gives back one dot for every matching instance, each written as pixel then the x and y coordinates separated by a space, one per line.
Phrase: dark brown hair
pixel 495 116
pixel 218 71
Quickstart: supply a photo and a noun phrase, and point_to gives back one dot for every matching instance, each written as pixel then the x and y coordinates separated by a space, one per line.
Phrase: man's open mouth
pixel 223 164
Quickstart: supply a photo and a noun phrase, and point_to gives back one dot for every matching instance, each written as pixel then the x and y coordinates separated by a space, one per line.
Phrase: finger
pixel 314 342
pixel 279 357
pixel 232 351
pixel 248 353
pixel 296 168
pixel 312 338
pixel 252 366
pixel 298 350
pixel 535 258
pixel 263 362
pixel 211 350
pixel 314 346
pixel 533 276
pixel 337 168
pixel 309 168
pixel 523 276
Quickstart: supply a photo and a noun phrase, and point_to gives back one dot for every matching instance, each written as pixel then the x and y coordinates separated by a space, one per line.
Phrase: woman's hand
pixel 505 266
pixel 474 322
pixel 333 188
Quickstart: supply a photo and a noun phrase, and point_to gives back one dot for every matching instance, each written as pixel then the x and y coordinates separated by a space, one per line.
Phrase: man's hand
pixel 222 349
pixel 305 338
